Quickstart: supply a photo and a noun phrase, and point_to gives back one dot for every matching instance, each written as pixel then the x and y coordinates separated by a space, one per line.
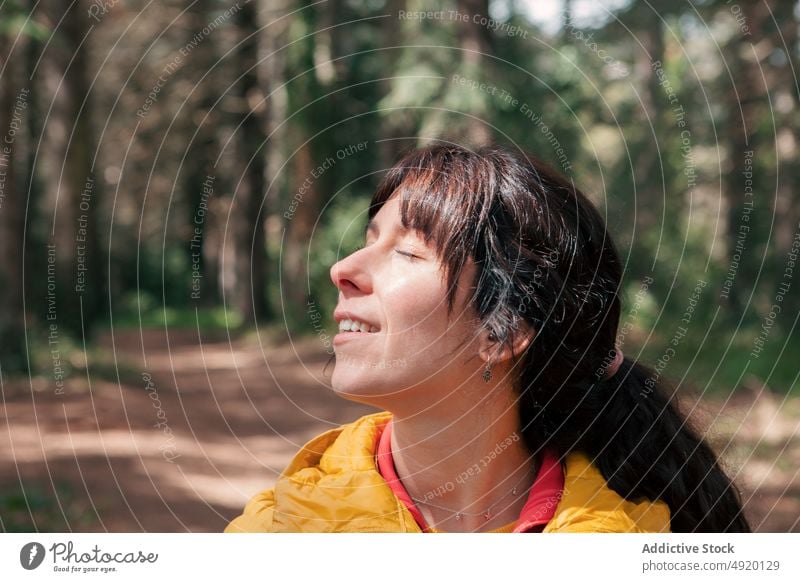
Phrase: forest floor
pixel 190 430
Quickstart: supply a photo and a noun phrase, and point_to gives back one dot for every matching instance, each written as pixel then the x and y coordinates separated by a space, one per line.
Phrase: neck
pixel 467 458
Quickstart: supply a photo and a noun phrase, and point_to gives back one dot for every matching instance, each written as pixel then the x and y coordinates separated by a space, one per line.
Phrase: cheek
pixel 415 308
pixel 420 332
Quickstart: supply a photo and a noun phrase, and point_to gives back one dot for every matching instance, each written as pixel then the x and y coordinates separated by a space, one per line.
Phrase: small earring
pixel 487 372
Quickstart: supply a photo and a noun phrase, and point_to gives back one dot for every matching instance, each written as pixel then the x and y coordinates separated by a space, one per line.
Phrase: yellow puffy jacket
pixel 333 485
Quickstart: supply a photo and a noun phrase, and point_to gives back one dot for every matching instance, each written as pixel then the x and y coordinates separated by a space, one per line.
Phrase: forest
pixel 178 174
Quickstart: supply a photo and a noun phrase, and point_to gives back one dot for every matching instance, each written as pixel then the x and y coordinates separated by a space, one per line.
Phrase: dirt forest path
pixel 193 429
pixel 189 434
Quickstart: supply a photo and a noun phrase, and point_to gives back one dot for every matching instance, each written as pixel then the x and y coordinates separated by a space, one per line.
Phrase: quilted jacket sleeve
pixel 257 515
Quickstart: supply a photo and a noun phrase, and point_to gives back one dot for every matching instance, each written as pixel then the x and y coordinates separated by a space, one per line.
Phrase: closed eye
pixel 411 256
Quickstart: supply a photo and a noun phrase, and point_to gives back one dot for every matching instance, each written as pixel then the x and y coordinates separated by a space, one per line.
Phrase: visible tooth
pixel 356 326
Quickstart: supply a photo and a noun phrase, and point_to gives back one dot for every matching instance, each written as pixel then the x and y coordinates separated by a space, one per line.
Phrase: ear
pixel 492 351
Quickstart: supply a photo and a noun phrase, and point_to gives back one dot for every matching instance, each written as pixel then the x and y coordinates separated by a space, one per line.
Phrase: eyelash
pixel 412 257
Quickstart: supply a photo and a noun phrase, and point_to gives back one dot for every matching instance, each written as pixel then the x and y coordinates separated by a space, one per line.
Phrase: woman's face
pixel 395 287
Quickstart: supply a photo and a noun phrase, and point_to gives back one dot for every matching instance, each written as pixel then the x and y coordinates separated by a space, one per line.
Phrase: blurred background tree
pixel 199 164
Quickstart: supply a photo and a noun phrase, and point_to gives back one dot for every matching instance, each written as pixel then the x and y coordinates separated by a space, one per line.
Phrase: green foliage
pixel 15 21
pixel 205 318
pixel 357 73
pixel 33 509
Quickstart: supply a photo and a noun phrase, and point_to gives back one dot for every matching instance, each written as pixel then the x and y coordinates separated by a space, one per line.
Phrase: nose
pixel 350 274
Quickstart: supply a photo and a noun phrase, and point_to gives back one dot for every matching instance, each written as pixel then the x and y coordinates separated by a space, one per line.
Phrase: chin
pixel 359 386
pixel 351 386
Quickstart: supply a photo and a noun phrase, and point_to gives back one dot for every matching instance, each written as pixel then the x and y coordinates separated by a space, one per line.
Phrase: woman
pixel 481 316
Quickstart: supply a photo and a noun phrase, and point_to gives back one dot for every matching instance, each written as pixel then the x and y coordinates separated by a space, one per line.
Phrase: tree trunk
pixel 311 146
pixel 743 102
pixel 201 184
pixel 646 163
pixel 299 228
pixel 784 94
pixel 759 130
pixel 80 274
pixel 475 41
pixel 392 144
pixel 249 212
pixel 14 99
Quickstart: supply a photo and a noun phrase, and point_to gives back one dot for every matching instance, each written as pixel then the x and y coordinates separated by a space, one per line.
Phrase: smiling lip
pixel 345 336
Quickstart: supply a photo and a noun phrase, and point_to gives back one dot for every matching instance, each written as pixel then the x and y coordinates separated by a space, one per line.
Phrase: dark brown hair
pixel 546 261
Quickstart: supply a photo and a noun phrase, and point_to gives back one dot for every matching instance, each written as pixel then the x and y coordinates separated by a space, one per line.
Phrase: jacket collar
pixel 333 484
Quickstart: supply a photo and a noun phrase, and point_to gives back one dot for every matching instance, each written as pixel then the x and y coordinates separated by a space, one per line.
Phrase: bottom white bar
pixel 396 557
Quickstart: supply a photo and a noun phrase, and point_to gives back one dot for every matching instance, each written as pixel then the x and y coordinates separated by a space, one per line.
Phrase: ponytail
pixel 645 448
